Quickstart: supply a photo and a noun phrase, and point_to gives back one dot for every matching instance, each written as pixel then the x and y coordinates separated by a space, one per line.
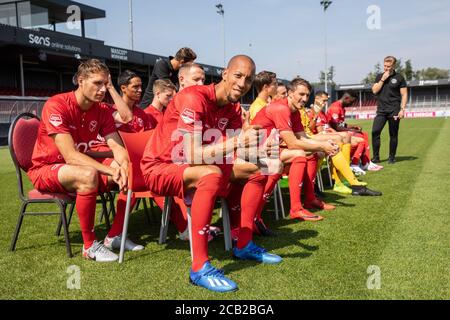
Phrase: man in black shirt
pixel 392 94
pixel 167 69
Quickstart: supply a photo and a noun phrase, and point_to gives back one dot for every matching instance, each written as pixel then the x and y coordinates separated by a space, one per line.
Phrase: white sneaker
pixel 184 236
pixel 357 170
pixel 372 167
pixel 114 244
pixel 99 253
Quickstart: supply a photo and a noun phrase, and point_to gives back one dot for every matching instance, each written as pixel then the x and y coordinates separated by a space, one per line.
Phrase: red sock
pixel 117 226
pixel 253 189
pixel 268 189
pixel 201 212
pixel 296 173
pixel 178 213
pixel 358 153
pixel 85 204
pixel 234 204
pixel 310 178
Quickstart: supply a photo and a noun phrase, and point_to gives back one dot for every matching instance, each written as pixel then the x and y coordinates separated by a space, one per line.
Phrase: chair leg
pixel 125 226
pixel 111 198
pixel 23 208
pixel 190 232
pixel 280 198
pixel 138 202
pixel 165 220
pixel 226 225
pixel 105 211
pixel 275 202
pixel 71 208
pixel 144 202
pixel 329 173
pixel 63 219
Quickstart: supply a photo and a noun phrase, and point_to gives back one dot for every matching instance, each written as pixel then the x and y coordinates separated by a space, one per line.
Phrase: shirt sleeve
pixel 108 124
pixel 55 117
pixel 191 109
pixel 161 70
pixel 296 120
pixel 403 83
pixel 333 115
pixel 281 117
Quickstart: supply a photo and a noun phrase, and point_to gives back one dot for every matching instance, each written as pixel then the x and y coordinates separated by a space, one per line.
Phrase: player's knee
pixel 208 170
pixel 299 153
pixel 88 178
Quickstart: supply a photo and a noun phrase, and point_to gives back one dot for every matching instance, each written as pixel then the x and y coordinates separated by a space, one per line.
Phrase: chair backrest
pixel 22 137
pixel 135 145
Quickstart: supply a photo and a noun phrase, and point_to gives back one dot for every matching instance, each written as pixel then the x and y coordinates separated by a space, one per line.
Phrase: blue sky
pixel 286 36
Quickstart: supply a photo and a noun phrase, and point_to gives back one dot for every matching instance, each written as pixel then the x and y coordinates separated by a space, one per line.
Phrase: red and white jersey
pixel 194 108
pixel 336 113
pixel 62 114
pixel 154 115
pixel 321 120
pixel 278 115
pixel 140 122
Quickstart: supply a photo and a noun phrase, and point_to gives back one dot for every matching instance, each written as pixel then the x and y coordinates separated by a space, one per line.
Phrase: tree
pixel 370 78
pixel 408 71
pixel 432 74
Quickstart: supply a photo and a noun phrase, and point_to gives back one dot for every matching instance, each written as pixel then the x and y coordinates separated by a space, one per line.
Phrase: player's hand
pixel 330 148
pixel 120 177
pixel 400 115
pixel 246 122
pixel 385 75
pixel 109 84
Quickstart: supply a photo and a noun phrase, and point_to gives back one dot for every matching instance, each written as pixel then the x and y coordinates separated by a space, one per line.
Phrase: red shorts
pixel 45 178
pixel 166 179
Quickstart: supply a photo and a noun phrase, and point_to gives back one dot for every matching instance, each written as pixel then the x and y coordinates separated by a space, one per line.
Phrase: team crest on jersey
pixel 222 124
pixel 55 120
pixel 188 116
pixel 393 81
pixel 92 126
pixel 140 122
pixel 335 116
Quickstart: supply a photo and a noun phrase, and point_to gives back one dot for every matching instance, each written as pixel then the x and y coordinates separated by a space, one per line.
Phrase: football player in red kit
pixel 299 151
pixel 69 126
pixel 194 149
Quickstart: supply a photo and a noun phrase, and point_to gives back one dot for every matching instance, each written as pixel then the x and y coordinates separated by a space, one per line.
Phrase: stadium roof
pixel 57 8
pixel 413 83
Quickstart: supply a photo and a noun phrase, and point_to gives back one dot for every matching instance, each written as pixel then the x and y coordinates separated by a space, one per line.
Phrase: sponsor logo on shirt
pixel 92 126
pixel 222 124
pixel 55 120
pixel 188 116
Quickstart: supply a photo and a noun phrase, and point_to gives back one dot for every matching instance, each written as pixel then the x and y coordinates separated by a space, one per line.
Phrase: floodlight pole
pixel 221 12
pixel 325 5
pixel 130 9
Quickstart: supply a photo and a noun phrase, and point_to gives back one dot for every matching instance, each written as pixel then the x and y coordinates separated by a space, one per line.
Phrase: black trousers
pixel 378 124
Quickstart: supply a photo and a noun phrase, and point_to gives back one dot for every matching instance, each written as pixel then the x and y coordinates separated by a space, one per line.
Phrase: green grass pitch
pixel 405 234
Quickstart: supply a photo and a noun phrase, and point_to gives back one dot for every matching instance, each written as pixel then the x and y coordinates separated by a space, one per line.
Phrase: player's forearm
pixel 79 159
pixel 305 144
pixel 124 111
pixel 404 101
pixel 376 88
pixel 120 156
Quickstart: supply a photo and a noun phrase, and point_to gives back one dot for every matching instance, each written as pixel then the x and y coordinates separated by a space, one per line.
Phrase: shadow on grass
pixel 402 158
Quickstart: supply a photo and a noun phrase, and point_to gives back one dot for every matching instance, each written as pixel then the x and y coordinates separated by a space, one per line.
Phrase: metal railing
pixel 11 106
